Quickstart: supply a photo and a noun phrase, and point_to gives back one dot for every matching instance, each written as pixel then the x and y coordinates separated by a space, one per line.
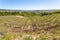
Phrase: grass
pixel 28 38
pixel 12 27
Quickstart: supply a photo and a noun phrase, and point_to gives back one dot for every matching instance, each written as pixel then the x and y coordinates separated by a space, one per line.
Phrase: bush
pixel 28 38
pixel 40 38
pixel 8 36
pixel 54 38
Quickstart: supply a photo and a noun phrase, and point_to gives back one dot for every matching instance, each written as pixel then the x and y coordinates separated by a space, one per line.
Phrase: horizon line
pixel 27 9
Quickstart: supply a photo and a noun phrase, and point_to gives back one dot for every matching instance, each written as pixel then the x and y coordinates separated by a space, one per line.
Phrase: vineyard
pixel 30 26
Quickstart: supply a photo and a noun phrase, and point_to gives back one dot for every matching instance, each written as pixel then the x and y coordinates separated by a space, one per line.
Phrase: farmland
pixel 30 25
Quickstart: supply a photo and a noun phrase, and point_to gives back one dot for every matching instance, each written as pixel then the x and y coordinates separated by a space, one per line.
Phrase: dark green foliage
pixel 28 13
pixel 8 13
pixel 46 13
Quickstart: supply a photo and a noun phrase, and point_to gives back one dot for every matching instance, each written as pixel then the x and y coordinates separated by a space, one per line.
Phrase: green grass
pixel 28 38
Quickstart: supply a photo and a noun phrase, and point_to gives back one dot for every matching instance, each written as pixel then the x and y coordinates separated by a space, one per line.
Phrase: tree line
pixel 28 13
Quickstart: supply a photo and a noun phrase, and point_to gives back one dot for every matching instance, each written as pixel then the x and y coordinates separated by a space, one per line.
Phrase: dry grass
pixel 36 27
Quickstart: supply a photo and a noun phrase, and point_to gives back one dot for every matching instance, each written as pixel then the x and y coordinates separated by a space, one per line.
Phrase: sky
pixel 30 4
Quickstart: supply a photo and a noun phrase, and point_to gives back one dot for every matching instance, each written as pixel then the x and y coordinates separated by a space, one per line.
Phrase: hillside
pixel 30 25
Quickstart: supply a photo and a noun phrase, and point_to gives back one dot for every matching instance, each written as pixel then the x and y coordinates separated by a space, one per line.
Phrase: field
pixel 30 26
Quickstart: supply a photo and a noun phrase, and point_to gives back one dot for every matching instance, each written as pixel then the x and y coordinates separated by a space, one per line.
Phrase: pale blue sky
pixel 30 4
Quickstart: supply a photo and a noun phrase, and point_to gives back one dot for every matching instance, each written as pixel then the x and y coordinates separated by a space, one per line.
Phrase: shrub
pixel 28 38
pixel 8 36
pixel 40 38
pixel 54 38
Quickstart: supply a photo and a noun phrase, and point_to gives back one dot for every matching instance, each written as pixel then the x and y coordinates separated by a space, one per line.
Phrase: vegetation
pixel 28 38
pixel 6 13
pixel 30 25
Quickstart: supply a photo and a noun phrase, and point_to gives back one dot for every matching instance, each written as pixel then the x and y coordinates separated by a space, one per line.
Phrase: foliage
pixel 28 13
pixel 32 22
pixel 28 38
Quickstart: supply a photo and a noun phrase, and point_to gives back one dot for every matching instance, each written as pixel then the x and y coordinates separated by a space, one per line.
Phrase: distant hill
pixel 9 10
